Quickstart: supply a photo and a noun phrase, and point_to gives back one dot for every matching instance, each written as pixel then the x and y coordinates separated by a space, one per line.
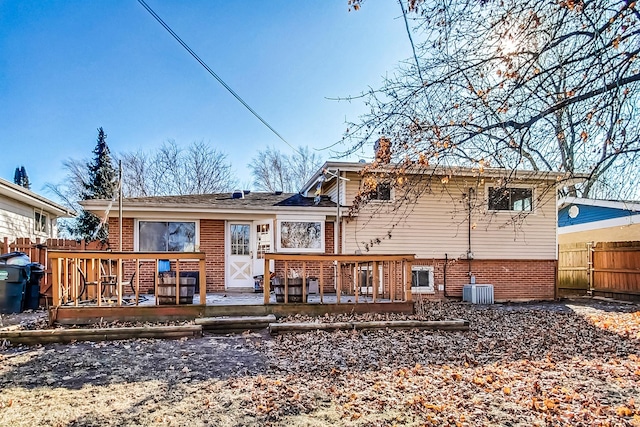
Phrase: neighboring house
pixel 25 214
pixel 455 230
pixel 590 220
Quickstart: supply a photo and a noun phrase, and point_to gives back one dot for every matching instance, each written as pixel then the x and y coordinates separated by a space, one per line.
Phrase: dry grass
pixel 532 364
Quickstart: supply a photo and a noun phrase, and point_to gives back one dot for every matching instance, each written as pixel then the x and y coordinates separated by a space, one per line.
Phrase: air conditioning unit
pixel 478 294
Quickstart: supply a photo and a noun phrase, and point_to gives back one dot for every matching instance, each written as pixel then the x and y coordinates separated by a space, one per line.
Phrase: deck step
pixel 234 324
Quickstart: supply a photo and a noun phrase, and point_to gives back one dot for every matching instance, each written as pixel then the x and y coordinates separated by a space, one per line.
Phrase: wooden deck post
pixel 304 281
pixel 407 279
pixel 356 279
pixel 203 281
pixel 157 276
pixel 321 282
pixel 119 273
pixel 392 280
pixel 375 278
pixel 55 282
pixel 286 282
pixel 177 282
pixel 339 280
pixel 266 282
pixel 137 273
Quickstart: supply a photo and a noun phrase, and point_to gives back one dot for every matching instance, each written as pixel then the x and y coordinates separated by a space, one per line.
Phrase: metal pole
pixel 120 205
pixel 337 243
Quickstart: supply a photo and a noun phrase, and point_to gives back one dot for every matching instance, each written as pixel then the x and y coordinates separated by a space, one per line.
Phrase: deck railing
pixel 72 271
pixel 391 273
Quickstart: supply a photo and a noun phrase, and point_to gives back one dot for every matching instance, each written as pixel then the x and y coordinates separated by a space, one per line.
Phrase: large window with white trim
pixel 300 236
pixel 421 279
pixel 167 236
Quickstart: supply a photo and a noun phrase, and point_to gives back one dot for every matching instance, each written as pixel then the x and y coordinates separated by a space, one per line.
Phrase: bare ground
pixel 574 363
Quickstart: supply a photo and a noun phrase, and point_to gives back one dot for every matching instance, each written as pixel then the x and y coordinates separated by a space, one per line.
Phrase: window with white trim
pixel 300 236
pixel 421 278
pixel 166 236
pixel 40 221
pixel 510 199
pixel 382 192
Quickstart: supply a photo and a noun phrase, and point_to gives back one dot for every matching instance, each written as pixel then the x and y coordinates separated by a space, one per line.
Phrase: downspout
pixel 120 205
pixel 469 253
pixel 336 238
pixel 446 261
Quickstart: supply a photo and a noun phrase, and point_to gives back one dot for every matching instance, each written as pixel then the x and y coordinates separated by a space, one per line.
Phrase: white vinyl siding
pixel 18 220
pixel 331 190
pixel 438 224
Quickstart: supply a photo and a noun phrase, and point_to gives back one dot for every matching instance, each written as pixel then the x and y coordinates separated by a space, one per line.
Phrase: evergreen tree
pixel 25 178
pixel 100 185
pixel 21 178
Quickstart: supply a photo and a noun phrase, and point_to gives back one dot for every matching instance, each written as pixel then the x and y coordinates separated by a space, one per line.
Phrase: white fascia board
pixel 627 206
pixel 449 170
pixel 34 200
pixel 596 225
pixel 227 213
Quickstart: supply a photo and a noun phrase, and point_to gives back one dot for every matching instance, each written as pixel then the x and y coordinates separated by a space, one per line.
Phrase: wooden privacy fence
pixel 380 276
pixel 609 269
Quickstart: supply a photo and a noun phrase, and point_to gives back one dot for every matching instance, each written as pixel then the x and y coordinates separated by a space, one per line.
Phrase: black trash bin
pixel 32 291
pixel 14 275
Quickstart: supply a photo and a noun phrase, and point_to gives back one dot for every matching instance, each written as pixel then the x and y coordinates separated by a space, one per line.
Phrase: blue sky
pixel 68 67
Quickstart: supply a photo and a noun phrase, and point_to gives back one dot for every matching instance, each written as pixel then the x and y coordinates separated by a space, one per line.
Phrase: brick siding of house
pixel 513 280
pixel 211 243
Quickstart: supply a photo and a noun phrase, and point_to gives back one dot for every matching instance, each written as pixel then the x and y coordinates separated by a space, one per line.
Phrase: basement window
pixel 422 279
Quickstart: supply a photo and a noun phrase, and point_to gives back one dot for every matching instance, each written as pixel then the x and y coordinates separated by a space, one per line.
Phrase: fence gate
pixel 574 262
pixel 616 270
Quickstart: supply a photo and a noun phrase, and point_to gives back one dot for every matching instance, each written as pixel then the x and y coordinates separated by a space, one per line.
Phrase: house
pixel 25 214
pixel 494 226
pixel 591 220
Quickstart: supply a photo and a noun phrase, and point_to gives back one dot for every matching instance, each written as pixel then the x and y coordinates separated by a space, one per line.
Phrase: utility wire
pixel 406 25
pixel 206 67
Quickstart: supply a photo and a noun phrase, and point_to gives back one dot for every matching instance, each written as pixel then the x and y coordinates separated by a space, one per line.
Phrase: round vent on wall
pixel 574 211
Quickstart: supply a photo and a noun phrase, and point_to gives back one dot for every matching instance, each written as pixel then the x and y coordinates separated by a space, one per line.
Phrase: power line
pixel 206 67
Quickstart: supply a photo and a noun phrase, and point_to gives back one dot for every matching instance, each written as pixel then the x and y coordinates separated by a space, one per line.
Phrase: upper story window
pixel 161 236
pixel 40 222
pixel 510 199
pixel 382 192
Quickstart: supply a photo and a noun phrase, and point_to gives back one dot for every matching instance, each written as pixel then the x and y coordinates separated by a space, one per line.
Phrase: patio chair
pixel 130 283
pixel 85 285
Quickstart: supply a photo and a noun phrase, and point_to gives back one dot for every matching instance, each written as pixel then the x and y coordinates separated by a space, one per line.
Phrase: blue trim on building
pixel 590 214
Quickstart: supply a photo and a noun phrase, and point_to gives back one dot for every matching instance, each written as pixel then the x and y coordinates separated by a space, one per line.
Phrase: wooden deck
pixel 376 283
pixel 70 315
